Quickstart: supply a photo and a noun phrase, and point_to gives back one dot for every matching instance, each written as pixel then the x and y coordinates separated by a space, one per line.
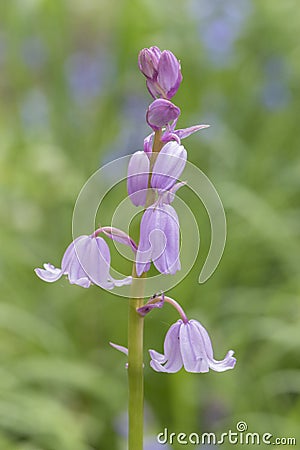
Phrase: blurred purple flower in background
pixel 34 111
pixel 275 91
pixel 86 74
pixel 220 24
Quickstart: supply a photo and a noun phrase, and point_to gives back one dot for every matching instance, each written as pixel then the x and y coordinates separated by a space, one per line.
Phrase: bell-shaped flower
pixel 159 240
pixel 86 261
pixel 138 178
pixel 168 166
pixel 188 344
pixel 160 113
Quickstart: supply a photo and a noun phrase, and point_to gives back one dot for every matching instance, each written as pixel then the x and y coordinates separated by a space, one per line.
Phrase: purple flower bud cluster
pixel 163 77
pixel 162 71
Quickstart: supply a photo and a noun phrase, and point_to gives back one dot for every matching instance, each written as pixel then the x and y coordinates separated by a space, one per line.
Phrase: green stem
pixel 135 365
pixel 136 341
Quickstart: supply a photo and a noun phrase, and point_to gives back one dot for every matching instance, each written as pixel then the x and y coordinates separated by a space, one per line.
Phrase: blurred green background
pixel 72 99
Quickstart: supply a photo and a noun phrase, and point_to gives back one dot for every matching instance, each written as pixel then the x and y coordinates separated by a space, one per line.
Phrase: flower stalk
pixel 136 340
pixel 135 365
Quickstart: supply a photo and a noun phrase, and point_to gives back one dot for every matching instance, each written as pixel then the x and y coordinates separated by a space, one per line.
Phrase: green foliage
pixel 71 99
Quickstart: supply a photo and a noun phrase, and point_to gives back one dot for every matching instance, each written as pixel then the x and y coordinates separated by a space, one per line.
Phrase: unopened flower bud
pixel 169 74
pixel 162 70
pixel 160 113
pixel 148 61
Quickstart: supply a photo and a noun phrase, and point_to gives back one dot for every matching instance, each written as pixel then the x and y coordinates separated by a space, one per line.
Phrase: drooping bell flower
pixel 188 344
pixel 160 113
pixel 86 261
pixel 159 240
pixel 162 71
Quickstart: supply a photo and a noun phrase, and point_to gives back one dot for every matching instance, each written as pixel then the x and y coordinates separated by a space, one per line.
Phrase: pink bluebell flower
pixel 188 344
pixel 86 261
pixel 159 240
pixel 162 71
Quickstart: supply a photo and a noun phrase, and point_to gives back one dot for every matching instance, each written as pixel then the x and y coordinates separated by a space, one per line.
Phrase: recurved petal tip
pixel 49 273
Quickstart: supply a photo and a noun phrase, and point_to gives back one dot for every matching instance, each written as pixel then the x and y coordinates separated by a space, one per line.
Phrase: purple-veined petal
pixel 185 132
pixel 144 252
pixel 175 87
pixel 219 366
pixel 191 347
pixel 148 142
pixel 49 273
pixel 159 240
pixel 148 61
pixel 154 89
pixel 204 339
pixel 73 261
pixel 69 254
pixel 106 280
pixel 168 260
pixel 172 358
pixel 168 166
pixel 169 73
pixel 138 177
